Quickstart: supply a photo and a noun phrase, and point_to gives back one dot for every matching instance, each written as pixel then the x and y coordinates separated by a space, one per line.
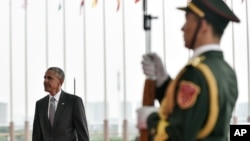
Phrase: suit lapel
pixel 60 108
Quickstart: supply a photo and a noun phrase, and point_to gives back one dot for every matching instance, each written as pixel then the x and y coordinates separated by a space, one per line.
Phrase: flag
pixel 94 3
pixel 118 5
pixel 81 5
pixel 25 3
pixel 136 1
pixel 59 6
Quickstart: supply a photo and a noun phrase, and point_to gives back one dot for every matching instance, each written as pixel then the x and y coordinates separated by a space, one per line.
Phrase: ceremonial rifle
pixel 149 84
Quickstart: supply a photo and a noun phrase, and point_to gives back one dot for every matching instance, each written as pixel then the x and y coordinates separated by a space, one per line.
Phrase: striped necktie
pixel 52 110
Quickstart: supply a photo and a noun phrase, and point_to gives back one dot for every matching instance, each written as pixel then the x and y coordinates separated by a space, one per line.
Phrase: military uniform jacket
pixel 193 102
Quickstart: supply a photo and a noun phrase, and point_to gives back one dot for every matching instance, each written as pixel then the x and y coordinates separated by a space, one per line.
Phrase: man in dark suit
pixel 59 116
pixel 197 104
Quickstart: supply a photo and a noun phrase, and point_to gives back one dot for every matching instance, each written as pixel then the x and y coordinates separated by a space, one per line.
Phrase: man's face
pixel 52 83
pixel 189 28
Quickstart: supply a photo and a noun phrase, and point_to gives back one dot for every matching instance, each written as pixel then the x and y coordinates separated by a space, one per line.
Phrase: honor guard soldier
pixel 198 103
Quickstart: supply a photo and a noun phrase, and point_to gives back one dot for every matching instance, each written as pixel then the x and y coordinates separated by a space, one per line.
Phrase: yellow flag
pixel 94 3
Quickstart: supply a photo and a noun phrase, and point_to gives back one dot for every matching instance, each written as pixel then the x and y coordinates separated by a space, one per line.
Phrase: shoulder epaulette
pixel 196 61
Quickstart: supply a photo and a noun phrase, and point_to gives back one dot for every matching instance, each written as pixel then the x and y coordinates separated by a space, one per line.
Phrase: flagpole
pixel 84 56
pixel 248 60
pixel 46 34
pixel 125 122
pixel 106 132
pixel 12 136
pixel 235 120
pixel 64 40
pixel 233 47
pixel 164 31
pixel 26 73
pixel 189 51
pixel 74 86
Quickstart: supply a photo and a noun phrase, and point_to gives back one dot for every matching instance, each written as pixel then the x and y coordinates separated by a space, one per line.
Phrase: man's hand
pixel 142 115
pixel 153 68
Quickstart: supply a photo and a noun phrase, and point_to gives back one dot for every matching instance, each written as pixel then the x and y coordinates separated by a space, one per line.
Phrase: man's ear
pixel 204 25
pixel 61 81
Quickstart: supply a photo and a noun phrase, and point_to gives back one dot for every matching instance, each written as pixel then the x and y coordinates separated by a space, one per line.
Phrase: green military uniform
pixel 185 122
pixel 198 103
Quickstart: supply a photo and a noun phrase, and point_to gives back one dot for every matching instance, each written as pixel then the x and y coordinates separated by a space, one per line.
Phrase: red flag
pixel 137 1
pixel 25 3
pixel 81 5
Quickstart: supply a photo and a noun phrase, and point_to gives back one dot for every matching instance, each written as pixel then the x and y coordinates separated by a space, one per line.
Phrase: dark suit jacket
pixel 70 122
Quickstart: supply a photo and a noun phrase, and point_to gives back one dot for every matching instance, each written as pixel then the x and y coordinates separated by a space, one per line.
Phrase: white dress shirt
pixel 57 96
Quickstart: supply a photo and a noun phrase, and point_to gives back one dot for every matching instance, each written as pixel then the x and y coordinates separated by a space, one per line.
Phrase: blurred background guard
pixel 198 103
pixel 59 116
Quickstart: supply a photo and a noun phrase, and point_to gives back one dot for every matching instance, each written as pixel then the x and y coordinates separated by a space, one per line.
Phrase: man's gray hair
pixel 58 71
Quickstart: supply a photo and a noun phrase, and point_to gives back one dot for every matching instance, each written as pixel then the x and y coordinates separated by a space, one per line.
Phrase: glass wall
pixel 100 48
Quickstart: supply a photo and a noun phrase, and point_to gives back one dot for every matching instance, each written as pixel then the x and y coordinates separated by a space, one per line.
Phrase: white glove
pixel 153 68
pixel 142 115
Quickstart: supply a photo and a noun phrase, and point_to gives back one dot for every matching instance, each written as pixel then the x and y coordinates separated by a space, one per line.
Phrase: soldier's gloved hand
pixel 153 68
pixel 142 115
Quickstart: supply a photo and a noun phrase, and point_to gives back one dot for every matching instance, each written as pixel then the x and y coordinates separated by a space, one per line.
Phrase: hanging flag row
pixel 94 3
pixel 82 2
